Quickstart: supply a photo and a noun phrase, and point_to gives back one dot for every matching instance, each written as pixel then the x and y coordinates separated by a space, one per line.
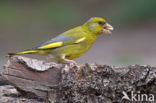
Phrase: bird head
pixel 99 25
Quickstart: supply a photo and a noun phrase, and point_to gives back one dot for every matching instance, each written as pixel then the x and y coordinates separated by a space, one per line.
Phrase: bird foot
pixel 71 63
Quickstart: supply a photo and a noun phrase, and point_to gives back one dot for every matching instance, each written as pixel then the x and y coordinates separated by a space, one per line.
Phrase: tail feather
pixel 11 54
pixel 24 52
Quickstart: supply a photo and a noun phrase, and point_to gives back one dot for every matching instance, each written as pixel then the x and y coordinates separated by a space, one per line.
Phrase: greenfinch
pixel 72 43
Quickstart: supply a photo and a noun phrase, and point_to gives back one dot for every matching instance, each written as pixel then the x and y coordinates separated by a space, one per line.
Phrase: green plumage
pixel 72 43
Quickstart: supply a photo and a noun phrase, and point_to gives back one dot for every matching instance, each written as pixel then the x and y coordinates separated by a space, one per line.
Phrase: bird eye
pixel 101 23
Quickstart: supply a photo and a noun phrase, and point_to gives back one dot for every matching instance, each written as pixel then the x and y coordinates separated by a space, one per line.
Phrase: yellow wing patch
pixel 26 52
pixel 52 45
pixel 80 40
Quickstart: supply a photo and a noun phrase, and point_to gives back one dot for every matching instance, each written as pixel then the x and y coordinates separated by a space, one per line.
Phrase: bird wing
pixel 70 37
pixel 59 41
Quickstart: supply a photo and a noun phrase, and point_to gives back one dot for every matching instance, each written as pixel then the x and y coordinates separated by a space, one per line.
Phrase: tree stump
pixel 90 83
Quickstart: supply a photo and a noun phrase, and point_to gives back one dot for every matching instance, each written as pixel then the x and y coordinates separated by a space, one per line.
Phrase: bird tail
pixel 24 52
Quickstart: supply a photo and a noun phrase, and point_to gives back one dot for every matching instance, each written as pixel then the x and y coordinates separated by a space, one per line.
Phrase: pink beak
pixel 107 29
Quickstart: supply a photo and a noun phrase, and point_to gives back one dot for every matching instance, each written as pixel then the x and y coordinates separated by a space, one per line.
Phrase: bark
pixel 39 82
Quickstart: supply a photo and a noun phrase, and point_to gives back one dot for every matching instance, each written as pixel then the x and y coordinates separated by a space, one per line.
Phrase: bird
pixel 73 43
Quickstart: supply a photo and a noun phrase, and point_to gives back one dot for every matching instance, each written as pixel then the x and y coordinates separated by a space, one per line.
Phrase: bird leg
pixel 72 63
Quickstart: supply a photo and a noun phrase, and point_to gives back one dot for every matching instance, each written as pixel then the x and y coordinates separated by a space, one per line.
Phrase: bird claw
pixel 71 63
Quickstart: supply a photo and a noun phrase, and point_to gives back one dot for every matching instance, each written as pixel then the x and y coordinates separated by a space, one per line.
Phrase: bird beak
pixel 107 29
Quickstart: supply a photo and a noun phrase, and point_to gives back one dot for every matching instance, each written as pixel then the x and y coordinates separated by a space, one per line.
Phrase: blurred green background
pixel 26 23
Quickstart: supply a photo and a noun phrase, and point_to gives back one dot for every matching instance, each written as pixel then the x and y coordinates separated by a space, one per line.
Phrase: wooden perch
pixel 91 83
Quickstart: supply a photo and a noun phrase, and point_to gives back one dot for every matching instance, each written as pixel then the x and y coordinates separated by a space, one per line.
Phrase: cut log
pixel 90 83
pixel 33 78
